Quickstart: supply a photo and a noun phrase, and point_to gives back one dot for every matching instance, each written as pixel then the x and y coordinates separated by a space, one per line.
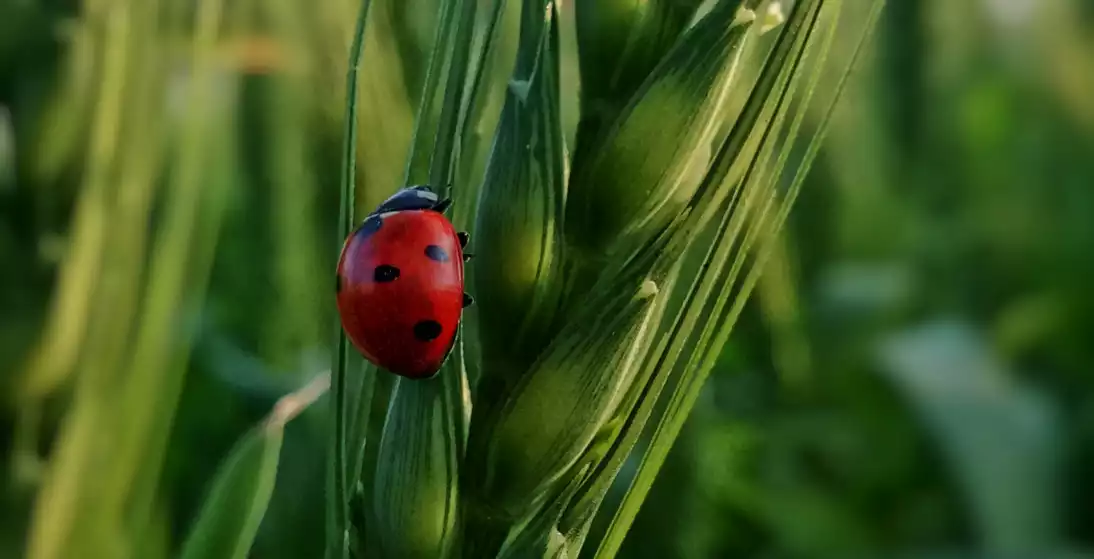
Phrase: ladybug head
pixel 413 198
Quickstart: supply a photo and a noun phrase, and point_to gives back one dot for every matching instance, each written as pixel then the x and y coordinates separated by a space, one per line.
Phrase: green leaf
pixel 229 519
pixel 999 436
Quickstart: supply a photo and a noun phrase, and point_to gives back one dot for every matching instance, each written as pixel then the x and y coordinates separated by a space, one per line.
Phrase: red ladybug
pixel 400 284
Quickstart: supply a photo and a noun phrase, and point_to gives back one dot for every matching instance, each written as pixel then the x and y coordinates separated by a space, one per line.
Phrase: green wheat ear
pixel 599 310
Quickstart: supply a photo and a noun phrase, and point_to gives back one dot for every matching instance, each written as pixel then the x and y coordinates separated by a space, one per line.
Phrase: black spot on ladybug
pixel 468 300
pixel 370 226
pixel 427 330
pixel 463 237
pixel 384 273
pixel 437 253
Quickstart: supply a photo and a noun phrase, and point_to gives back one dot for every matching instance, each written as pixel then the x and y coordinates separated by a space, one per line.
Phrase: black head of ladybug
pixel 413 198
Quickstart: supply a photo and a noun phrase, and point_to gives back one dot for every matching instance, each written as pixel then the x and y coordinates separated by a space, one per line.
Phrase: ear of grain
pixel 414 498
pixel 746 220
pixel 554 414
pixel 638 178
pixel 522 454
pixel 517 235
pixel 621 41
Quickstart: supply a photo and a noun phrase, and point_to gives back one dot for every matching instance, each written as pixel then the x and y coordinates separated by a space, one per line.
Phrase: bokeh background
pixel 911 379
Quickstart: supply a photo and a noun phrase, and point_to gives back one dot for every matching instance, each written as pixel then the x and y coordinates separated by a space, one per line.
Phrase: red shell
pixel 390 320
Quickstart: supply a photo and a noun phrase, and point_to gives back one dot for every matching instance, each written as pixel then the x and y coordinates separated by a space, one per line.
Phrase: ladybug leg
pixel 442 206
pixel 468 300
pixel 467 256
pixel 463 236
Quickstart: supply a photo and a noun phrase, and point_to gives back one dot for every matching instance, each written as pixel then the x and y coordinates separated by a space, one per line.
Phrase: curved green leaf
pixel 233 510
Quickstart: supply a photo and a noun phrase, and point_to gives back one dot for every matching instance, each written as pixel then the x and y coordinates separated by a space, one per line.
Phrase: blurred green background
pixel 911 378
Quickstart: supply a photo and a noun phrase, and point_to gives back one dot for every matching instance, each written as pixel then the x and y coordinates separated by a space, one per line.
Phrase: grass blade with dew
pixel 695 373
pixel 226 526
pixel 518 237
pixel 337 494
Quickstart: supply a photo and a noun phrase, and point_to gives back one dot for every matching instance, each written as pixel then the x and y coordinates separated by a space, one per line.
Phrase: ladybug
pixel 400 283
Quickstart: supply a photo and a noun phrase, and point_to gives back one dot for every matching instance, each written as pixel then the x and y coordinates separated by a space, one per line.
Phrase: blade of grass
pixel 485 93
pixel 236 503
pixel 421 153
pixel 725 321
pixel 454 110
pixel 54 358
pixel 337 495
pixel 385 101
pixel 296 322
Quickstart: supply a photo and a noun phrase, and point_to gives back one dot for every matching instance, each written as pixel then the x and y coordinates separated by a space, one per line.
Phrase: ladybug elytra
pixel 400 284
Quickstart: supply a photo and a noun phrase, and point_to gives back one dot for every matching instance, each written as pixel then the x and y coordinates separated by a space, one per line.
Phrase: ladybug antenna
pixel 442 206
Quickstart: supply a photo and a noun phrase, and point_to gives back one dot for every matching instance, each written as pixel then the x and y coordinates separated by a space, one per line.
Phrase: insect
pixel 400 283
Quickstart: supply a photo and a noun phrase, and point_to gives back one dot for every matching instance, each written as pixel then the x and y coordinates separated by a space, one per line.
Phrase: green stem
pixel 337 502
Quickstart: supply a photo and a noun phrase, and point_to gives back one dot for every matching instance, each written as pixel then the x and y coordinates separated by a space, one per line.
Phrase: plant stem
pixel 337 502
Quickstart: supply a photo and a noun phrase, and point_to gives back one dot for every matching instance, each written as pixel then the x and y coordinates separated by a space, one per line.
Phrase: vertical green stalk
pixel 59 348
pixel 297 322
pixel 337 496
pixel 56 515
pixel 178 273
